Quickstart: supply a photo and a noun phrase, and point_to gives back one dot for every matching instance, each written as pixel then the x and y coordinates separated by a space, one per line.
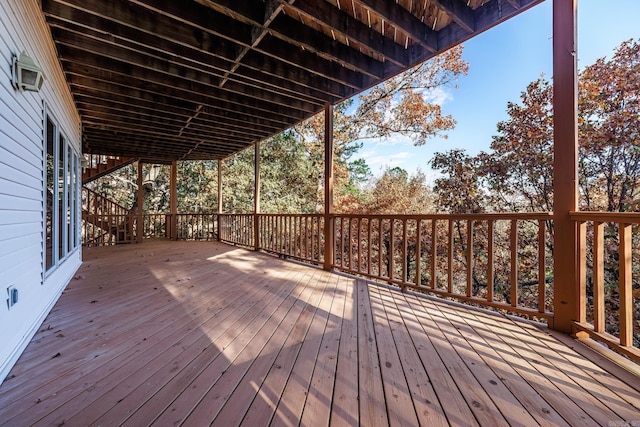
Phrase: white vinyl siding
pixel 22 178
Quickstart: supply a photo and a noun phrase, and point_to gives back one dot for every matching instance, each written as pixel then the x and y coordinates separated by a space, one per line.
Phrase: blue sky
pixel 503 61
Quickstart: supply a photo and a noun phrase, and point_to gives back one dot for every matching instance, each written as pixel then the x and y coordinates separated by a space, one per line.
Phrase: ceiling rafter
pixel 106 55
pixel 341 22
pixel 295 33
pixel 205 49
pixel 203 79
pixel 459 12
pixel 272 9
pixel 90 109
pixel 204 18
pixel 403 19
pixel 97 96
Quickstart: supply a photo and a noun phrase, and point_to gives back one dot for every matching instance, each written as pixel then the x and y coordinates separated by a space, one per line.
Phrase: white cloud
pixel 437 95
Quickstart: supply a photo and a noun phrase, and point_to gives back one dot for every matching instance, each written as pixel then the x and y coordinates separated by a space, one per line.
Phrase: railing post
pixel 625 285
pixel 565 166
pixel 173 199
pixel 256 198
pixel 329 230
pixel 140 217
pixel 219 199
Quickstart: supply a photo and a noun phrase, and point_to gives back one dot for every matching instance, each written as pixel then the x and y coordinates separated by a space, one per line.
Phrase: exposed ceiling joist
pixel 199 79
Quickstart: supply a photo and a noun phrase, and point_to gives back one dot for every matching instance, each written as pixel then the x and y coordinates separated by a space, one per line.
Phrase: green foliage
pixel 198 186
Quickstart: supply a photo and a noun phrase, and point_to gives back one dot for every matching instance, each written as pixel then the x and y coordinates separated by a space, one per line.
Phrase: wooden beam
pixel 204 49
pixel 256 196
pixel 173 66
pixel 296 34
pixel 326 14
pixel 160 134
pixel 155 125
pixel 329 236
pixel 459 12
pixel 271 10
pixel 173 199
pixel 139 216
pixel 142 88
pixel 108 141
pixel 220 205
pixel 84 93
pixel 206 19
pixel 400 17
pixel 88 108
pixel 565 165
pixel 126 66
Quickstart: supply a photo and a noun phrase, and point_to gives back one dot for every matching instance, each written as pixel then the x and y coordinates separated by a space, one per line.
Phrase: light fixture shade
pixel 26 75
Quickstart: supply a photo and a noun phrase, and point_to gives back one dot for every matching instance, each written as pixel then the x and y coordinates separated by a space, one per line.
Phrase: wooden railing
pixel 156 226
pixel 497 260
pixel 105 222
pixel 297 236
pixel 609 262
pixel 502 261
pixel 108 229
pixel 237 229
pixel 100 229
pixel 98 204
pixel 200 226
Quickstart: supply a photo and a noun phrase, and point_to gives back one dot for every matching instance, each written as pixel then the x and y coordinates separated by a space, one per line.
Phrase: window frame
pixel 61 230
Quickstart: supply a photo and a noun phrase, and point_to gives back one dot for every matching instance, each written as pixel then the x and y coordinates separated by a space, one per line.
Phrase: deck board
pixel 199 333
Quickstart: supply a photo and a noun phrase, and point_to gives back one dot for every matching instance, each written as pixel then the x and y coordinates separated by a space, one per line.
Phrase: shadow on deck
pixel 171 333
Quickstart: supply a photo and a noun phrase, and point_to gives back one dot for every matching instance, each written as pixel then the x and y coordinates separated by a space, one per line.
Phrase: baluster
pixel 514 262
pixel 470 224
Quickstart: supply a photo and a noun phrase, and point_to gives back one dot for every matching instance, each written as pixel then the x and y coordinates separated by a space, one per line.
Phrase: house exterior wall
pixel 23 192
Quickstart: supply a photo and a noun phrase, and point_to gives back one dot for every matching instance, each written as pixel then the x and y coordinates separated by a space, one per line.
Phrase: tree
pixel 405 104
pixel 397 192
pixel 517 171
pixel 198 186
pixel 459 189
pixel 610 131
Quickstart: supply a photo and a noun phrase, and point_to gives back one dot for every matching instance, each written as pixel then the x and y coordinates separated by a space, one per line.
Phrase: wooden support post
pixel 626 285
pixel 567 298
pixel 329 236
pixel 173 199
pixel 256 198
pixel 140 217
pixel 219 197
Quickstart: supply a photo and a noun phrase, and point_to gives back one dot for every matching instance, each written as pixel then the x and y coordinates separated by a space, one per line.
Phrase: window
pixel 61 223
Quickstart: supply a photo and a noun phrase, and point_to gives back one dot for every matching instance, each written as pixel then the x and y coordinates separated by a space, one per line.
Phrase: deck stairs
pixel 108 219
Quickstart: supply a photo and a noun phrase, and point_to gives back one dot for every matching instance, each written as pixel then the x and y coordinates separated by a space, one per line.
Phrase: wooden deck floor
pixel 176 333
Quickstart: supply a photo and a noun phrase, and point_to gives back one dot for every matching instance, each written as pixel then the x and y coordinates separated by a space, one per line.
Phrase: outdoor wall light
pixel 25 74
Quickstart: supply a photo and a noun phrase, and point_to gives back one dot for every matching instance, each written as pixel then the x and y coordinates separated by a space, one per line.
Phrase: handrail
pixel 619 217
pixel 387 248
pixel 479 216
pixel 500 260
pixel 297 236
pixel 101 204
pixel 237 229
pixel 468 257
pixel 603 237
pixel 190 226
